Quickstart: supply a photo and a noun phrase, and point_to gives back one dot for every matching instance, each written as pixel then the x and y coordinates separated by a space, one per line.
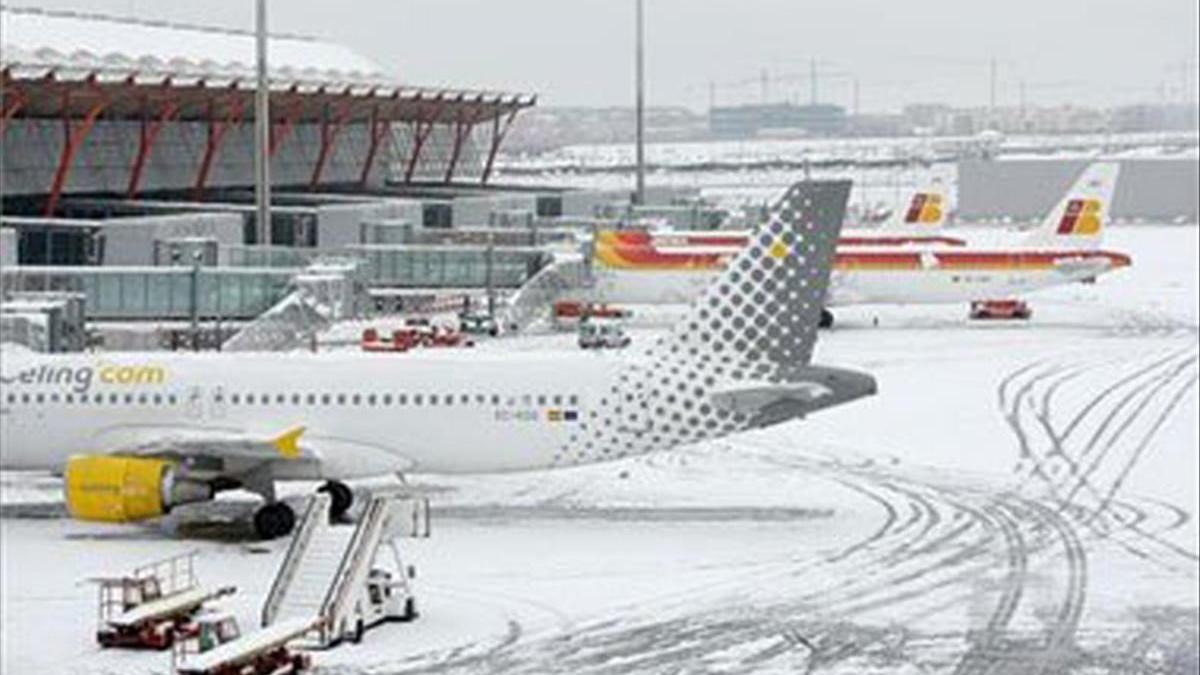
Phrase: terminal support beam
pixel 74 137
pixel 149 131
pixel 462 129
pixel 379 130
pixel 217 130
pixel 283 128
pixel 422 128
pixel 330 128
pixel 498 133
pixel 15 98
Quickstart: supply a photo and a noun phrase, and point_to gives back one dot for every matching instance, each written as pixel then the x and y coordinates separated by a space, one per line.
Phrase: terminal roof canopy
pixel 61 62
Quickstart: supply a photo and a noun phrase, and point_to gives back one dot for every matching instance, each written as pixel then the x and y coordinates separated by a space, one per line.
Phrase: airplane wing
pixel 164 441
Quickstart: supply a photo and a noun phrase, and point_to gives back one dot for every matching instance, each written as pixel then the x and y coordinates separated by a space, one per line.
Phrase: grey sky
pixel 578 52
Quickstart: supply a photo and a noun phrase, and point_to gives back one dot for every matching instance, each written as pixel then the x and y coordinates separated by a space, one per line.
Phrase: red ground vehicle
pixel 404 339
pixel 1000 309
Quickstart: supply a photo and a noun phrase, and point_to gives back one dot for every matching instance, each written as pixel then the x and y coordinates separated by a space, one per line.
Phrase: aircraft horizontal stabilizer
pixel 811 389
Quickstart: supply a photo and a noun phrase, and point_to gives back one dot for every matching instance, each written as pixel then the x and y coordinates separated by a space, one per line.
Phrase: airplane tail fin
pixel 926 212
pixel 1078 220
pixel 740 358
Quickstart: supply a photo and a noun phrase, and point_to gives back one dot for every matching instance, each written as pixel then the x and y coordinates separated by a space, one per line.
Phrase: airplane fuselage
pixel 901 276
pixel 364 414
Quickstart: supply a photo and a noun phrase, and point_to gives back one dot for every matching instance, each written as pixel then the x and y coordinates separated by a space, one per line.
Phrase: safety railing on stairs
pixel 317 509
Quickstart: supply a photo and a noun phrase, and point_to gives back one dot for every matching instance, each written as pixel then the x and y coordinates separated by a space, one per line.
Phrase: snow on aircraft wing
pixel 163 441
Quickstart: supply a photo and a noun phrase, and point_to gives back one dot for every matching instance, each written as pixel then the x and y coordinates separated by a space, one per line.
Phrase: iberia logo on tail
pixel 1081 217
pixel 926 208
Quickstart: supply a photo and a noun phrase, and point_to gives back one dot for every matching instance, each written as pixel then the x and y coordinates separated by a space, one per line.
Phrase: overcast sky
pixel 579 52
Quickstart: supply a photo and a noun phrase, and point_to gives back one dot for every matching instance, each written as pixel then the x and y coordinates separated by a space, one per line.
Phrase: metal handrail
pixel 371 523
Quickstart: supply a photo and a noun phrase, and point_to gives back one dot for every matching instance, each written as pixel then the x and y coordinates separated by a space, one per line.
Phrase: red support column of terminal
pixel 379 129
pixel 73 139
pixel 462 128
pixel 498 134
pixel 329 133
pixel 149 131
pixel 422 128
pixel 15 98
pixel 281 130
pixel 217 129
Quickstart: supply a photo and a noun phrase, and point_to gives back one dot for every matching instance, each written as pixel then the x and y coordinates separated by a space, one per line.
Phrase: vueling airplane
pixel 136 435
pixel 1063 250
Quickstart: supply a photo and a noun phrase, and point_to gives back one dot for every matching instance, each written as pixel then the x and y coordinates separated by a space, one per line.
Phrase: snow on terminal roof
pixel 76 40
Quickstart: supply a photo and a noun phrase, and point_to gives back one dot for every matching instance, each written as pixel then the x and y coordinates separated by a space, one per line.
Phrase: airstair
pixel 322 294
pixel 533 300
pixel 332 573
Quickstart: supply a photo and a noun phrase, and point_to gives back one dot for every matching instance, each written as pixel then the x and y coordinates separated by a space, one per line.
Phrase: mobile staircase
pixel 336 575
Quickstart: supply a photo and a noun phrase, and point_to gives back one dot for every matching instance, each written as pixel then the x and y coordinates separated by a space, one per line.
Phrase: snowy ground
pixel 1019 498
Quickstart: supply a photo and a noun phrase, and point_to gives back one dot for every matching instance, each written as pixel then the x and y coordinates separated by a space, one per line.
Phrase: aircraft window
pixel 128 399
pixel 142 399
pixel 312 399
pixel 12 398
pixel 356 399
pixel 218 397
pixel 158 399
pixel 249 399
pixel 24 398
pixel 41 398
pixel 416 399
pixel 526 400
pixel 480 399
pixel 295 399
pixel 325 399
pixel 465 399
pixel 449 399
pixel 171 399
pixel 234 399
pixel 54 398
pixel 495 399
pixel 541 400
pixel 433 399
pixel 370 399
pixel 341 399
pixel 387 399
pixel 265 399
pixel 573 400
pixel 281 398
pixel 402 399
pixel 114 399
pixel 557 399
pixel 69 398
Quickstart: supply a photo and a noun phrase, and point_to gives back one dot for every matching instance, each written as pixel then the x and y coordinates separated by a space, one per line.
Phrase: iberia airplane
pixel 1063 250
pixel 919 223
pixel 136 435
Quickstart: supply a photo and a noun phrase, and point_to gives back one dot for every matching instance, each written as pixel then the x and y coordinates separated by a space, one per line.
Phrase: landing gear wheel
pixel 274 520
pixel 340 498
pixel 826 319
pixel 359 629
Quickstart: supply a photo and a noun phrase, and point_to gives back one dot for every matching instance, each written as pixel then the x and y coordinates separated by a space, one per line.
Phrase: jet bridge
pixel 336 574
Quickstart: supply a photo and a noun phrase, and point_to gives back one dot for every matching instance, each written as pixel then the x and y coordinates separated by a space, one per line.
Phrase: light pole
pixel 640 194
pixel 262 129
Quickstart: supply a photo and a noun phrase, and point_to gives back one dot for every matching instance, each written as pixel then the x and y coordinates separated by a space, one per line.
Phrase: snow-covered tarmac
pixel 1019 498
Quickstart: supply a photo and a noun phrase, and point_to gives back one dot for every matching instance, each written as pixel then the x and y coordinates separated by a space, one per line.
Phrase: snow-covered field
pixel 1019 498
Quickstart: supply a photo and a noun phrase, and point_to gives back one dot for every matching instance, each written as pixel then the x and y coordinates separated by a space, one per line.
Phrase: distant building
pixel 748 121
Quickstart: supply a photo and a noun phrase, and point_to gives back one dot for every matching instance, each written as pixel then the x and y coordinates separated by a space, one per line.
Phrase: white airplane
pixel 920 223
pixel 136 435
pixel 1063 250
